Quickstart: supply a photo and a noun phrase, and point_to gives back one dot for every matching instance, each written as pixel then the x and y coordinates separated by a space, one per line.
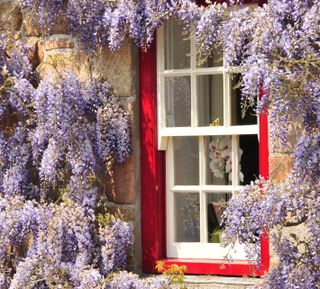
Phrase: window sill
pixel 217 267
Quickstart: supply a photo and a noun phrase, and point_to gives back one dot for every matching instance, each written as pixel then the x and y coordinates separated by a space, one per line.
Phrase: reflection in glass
pixel 176 45
pixel 250 158
pixel 237 118
pixel 216 203
pixel 210 99
pixel 214 60
pixel 186 161
pixel 178 101
pixel 219 160
pixel 187 218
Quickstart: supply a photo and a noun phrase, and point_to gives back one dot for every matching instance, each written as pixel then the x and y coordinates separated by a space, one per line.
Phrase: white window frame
pixel 200 249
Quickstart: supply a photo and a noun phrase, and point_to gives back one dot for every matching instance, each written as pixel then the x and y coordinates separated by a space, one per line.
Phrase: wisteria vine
pixel 276 49
pixel 56 138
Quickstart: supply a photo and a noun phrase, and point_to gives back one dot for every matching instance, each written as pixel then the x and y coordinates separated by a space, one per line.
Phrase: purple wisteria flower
pixel 115 239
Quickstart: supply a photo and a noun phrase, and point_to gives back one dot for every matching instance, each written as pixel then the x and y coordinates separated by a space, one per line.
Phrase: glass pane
pixel 214 60
pixel 249 153
pixel 178 101
pixel 210 99
pixel 187 217
pixel 176 45
pixel 237 118
pixel 186 161
pixel 216 203
pixel 219 162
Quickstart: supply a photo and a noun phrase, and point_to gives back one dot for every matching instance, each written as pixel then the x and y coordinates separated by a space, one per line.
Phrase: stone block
pixel 280 165
pixel 36 52
pixel 125 181
pixel 119 68
pixel 31 27
pixel 58 61
pixel 40 51
pixel 61 26
pixel 10 17
pixel 295 131
pixel 123 212
pixel 58 42
pixel 126 176
pixel 121 182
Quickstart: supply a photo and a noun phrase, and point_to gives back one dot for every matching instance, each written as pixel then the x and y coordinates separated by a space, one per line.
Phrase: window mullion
pixel 196 70
pixel 202 182
pixel 194 101
pixel 161 113
pixel 235 160
pixel 161 104
pixel 192 53
pixel 160 50
pixel 202 161
pixel 170 194
pixel 226 99
pixel 203 218
pixel 161 123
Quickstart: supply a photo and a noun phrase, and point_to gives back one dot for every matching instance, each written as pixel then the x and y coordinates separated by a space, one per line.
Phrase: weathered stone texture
pixel 31 27
pixel 61 27
pixel 59 42
pixel 10 17
pixel 294 133
pixel 124 212
pixel 126 176
pixel 280 165
pixel 36 53
pixel 58 61
pixel 119 68
pixel 125 182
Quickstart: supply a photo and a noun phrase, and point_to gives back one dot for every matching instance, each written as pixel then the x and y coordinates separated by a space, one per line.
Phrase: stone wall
pixel 281 158
pixel 59 52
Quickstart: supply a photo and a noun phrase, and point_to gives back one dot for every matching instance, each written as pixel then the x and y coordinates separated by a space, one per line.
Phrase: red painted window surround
pixel 153 219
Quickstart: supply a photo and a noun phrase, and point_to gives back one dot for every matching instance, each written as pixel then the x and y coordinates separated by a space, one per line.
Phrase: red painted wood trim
pixel 152 166
pixel 216 267
pixel 264 172
pixel 263 146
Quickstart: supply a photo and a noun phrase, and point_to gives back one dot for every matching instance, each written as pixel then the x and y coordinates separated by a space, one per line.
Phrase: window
pixel 210 148
pixel 177 156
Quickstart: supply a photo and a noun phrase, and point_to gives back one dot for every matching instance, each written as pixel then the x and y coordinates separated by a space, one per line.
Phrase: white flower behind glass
pixel 221 158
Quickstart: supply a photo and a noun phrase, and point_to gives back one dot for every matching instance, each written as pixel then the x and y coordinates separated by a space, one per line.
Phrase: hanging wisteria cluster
pixel 57 246
pixel 103 22
pixel 276 48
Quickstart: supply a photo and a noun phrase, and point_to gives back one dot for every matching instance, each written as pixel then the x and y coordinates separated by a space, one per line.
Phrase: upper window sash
pixel 191 75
